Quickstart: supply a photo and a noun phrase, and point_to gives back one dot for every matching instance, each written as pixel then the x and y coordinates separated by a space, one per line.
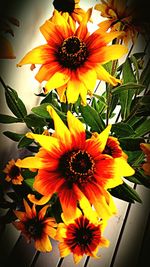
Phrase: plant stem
pixel 33 262
pixel 86 261
pixel 60 262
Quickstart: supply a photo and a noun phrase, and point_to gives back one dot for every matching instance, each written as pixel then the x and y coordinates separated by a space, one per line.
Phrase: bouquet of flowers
pixel 88 139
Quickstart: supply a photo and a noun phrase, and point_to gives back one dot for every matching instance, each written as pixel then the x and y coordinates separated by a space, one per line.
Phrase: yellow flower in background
pixel 36 226
pixel 80 236
pixel 13 173
pixel 120 17
pixel 6 48
pixel 70 10
pixel 75 167
pixel 146 149
pixel 71 61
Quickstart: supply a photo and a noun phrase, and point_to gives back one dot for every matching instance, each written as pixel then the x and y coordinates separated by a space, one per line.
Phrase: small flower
pixel 75 167
pixel 6 48
pixel 113 148
pixel 36 226
pixel 120 17
pixel 70 10
pixel 82 235
pixel 146 149
pixel 13 173
pixel 72 60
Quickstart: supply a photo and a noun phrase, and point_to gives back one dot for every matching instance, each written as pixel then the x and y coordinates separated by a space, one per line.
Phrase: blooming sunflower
pixel 120 16
pixel 70 10
pixel 146 149
pixel 35 225
pixel 13 173
pixel 72 60
pixel 74 166
pixel 82 235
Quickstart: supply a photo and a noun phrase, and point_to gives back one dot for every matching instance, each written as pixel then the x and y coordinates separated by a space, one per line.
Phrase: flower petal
pixel 77 129
pixel 64 249
pixel 57 80
pixel 38 55
pixel 43 200
pixel 82 31
pixel 61 130
pixel 88 78
pixel 30 162
pixel 108 53
pixel 47 142
pixel 103 75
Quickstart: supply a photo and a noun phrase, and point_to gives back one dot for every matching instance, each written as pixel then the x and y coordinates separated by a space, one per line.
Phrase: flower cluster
pixel 73 156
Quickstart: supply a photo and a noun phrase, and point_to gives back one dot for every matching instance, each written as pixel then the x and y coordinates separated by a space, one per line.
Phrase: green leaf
pixel 122 129
pixel 130 143
pixel 9 119
pixel 143 129
pixel 29 182
pixel 33 120
pixel 92 118
pixel 126 94
pixel 145 77
pixel 140 178
pixel 24 142
pixel 42 111
pixel 126 193
pixel 14 103
pixel 13 136
pixel 127 86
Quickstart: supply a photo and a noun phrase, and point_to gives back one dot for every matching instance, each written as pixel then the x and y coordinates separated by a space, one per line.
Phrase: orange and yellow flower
pixel 82 235
pixel 75 167
pixel 146 149
pixel 13 173
pixel 120 17
pixel 36 226
pixel 70 10
pixel 71 61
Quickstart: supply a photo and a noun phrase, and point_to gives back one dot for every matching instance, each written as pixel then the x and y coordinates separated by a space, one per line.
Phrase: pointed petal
pixel 103 75
pixel 30 162
pixel 46 71
pixel 61 92
pixel 64 249
pixel 57 80
pixel 82 31
pixel 73 89
pixel 42 212
pixel 77 129
pixel 43 200
pixel 61 130
pixel 61 232
pixel 49 31
pixel 27 209
pixel 102 201
pixel 68 200
pixel 39 55
pixel 20 215
pixel 77 258
pixel 47 142
pixel 108 53
pixel 88 78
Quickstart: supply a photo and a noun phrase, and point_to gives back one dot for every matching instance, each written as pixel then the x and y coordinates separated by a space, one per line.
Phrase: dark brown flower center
pixel 82 234
pixel 14 172
pixel 77 167
pixel 72 53
pixel 64 6
pixel 34 228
